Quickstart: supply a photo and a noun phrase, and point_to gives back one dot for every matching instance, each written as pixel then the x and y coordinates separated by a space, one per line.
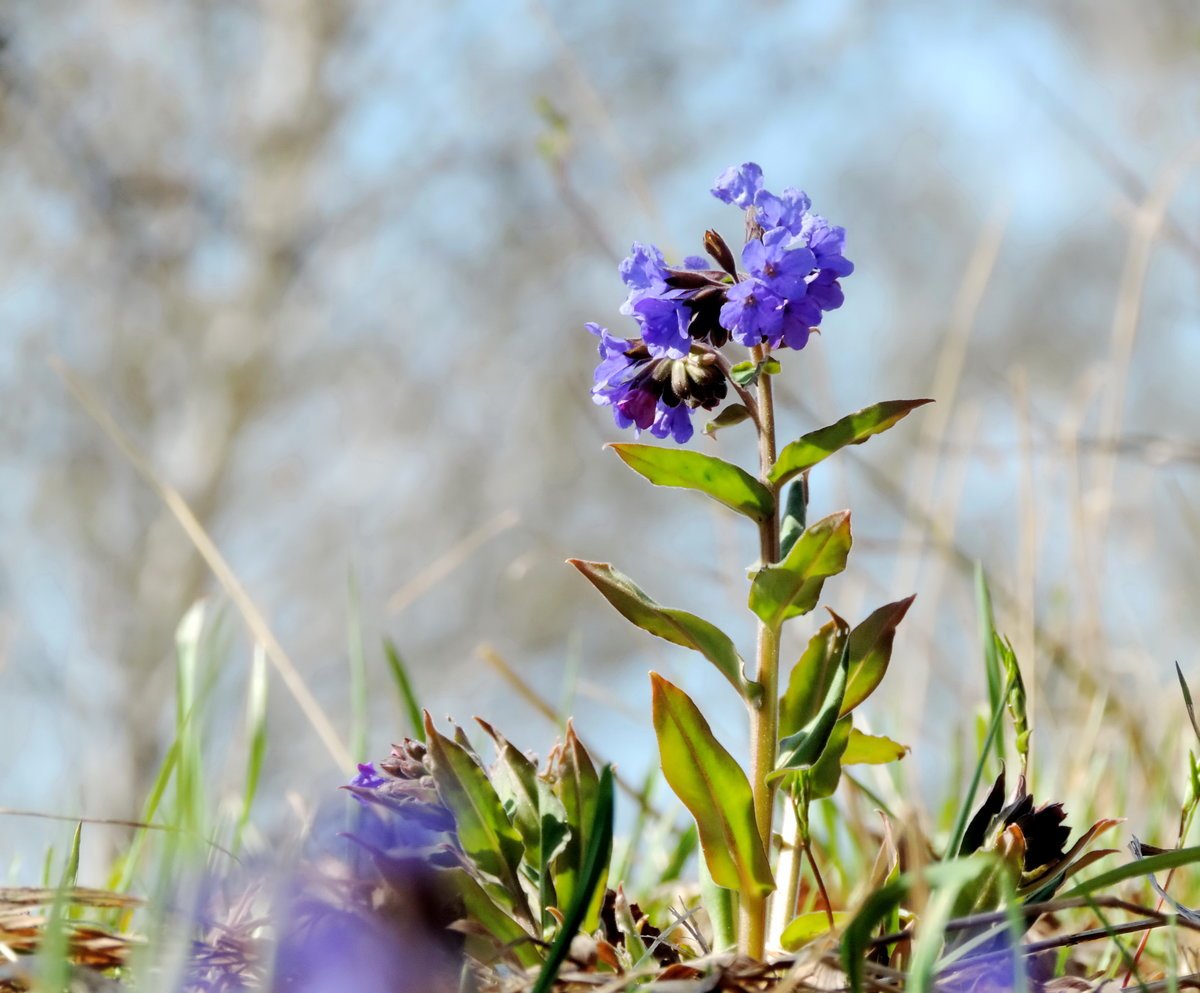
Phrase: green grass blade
pixel 404 686
pixel 987 638
pixel 964 810
pixel 256 734
pixel 1134 870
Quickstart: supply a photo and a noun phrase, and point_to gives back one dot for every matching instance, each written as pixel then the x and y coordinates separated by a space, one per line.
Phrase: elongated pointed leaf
pixel 483 828
pixel 811 678
pixel 591 890
pixel 795 516
pixel 854 429
pixel 578 787
pixel 871 651
pixel 793 586
pixel 826 773
pixel 514 777
pixel 676 626
pixel 872 749
pixel 713 788
pixel 802 749
pixel 724 482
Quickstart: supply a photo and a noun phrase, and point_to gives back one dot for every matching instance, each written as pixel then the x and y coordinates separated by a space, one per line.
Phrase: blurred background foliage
pixel 328 261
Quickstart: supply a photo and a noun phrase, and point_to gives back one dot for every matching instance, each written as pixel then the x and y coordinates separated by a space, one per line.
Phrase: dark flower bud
pixel 715 245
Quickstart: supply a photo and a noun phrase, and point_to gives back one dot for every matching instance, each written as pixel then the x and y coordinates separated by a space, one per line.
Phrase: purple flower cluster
pixel 655 392
pixel 792 263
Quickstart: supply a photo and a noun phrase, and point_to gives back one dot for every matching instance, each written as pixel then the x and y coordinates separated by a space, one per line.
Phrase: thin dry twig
pixel 255 621
pixel 450 560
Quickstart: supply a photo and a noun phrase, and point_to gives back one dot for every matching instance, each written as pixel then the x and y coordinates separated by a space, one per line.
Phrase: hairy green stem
pixel 764 716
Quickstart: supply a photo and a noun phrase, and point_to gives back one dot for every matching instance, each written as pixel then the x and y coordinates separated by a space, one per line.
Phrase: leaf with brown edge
pixel 723 481
pixel 676 626
pixel 871 651
pixel 714 789
pixel 853 429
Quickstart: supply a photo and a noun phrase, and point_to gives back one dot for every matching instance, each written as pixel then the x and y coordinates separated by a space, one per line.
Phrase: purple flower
pixel 751 313
pixel 664 323
pixel 654 392
pixel 738 186
pixel 675 422
pixel 797 319
pixel 644 268
pixel 825 290
pixel 657 307
pixel 826 243
pixel 787 211
pixel 367 777
pixel 781 269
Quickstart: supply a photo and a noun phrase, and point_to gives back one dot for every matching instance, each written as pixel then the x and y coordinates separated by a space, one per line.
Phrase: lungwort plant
pixel 690 318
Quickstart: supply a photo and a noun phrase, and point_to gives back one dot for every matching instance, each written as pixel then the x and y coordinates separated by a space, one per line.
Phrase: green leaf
pixel 506 934
pixel 802 749
pixel 515 779
pixel 795 516
pixel 735 413
pixel 804 928
pixel 747 373
pixel 793 586
pixel 578 787
pixel 480 822
pixel 853 429
pixel 826 773
pixel 871 651
pixel 744 373
pixel 872 749
pixel 555 834
pixel 713 787
pixel 591 890
pixel 724 482
pixel 676 626
pixel 811 678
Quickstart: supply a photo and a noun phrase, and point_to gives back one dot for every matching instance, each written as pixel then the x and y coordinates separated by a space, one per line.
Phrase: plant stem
pixel 764 716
